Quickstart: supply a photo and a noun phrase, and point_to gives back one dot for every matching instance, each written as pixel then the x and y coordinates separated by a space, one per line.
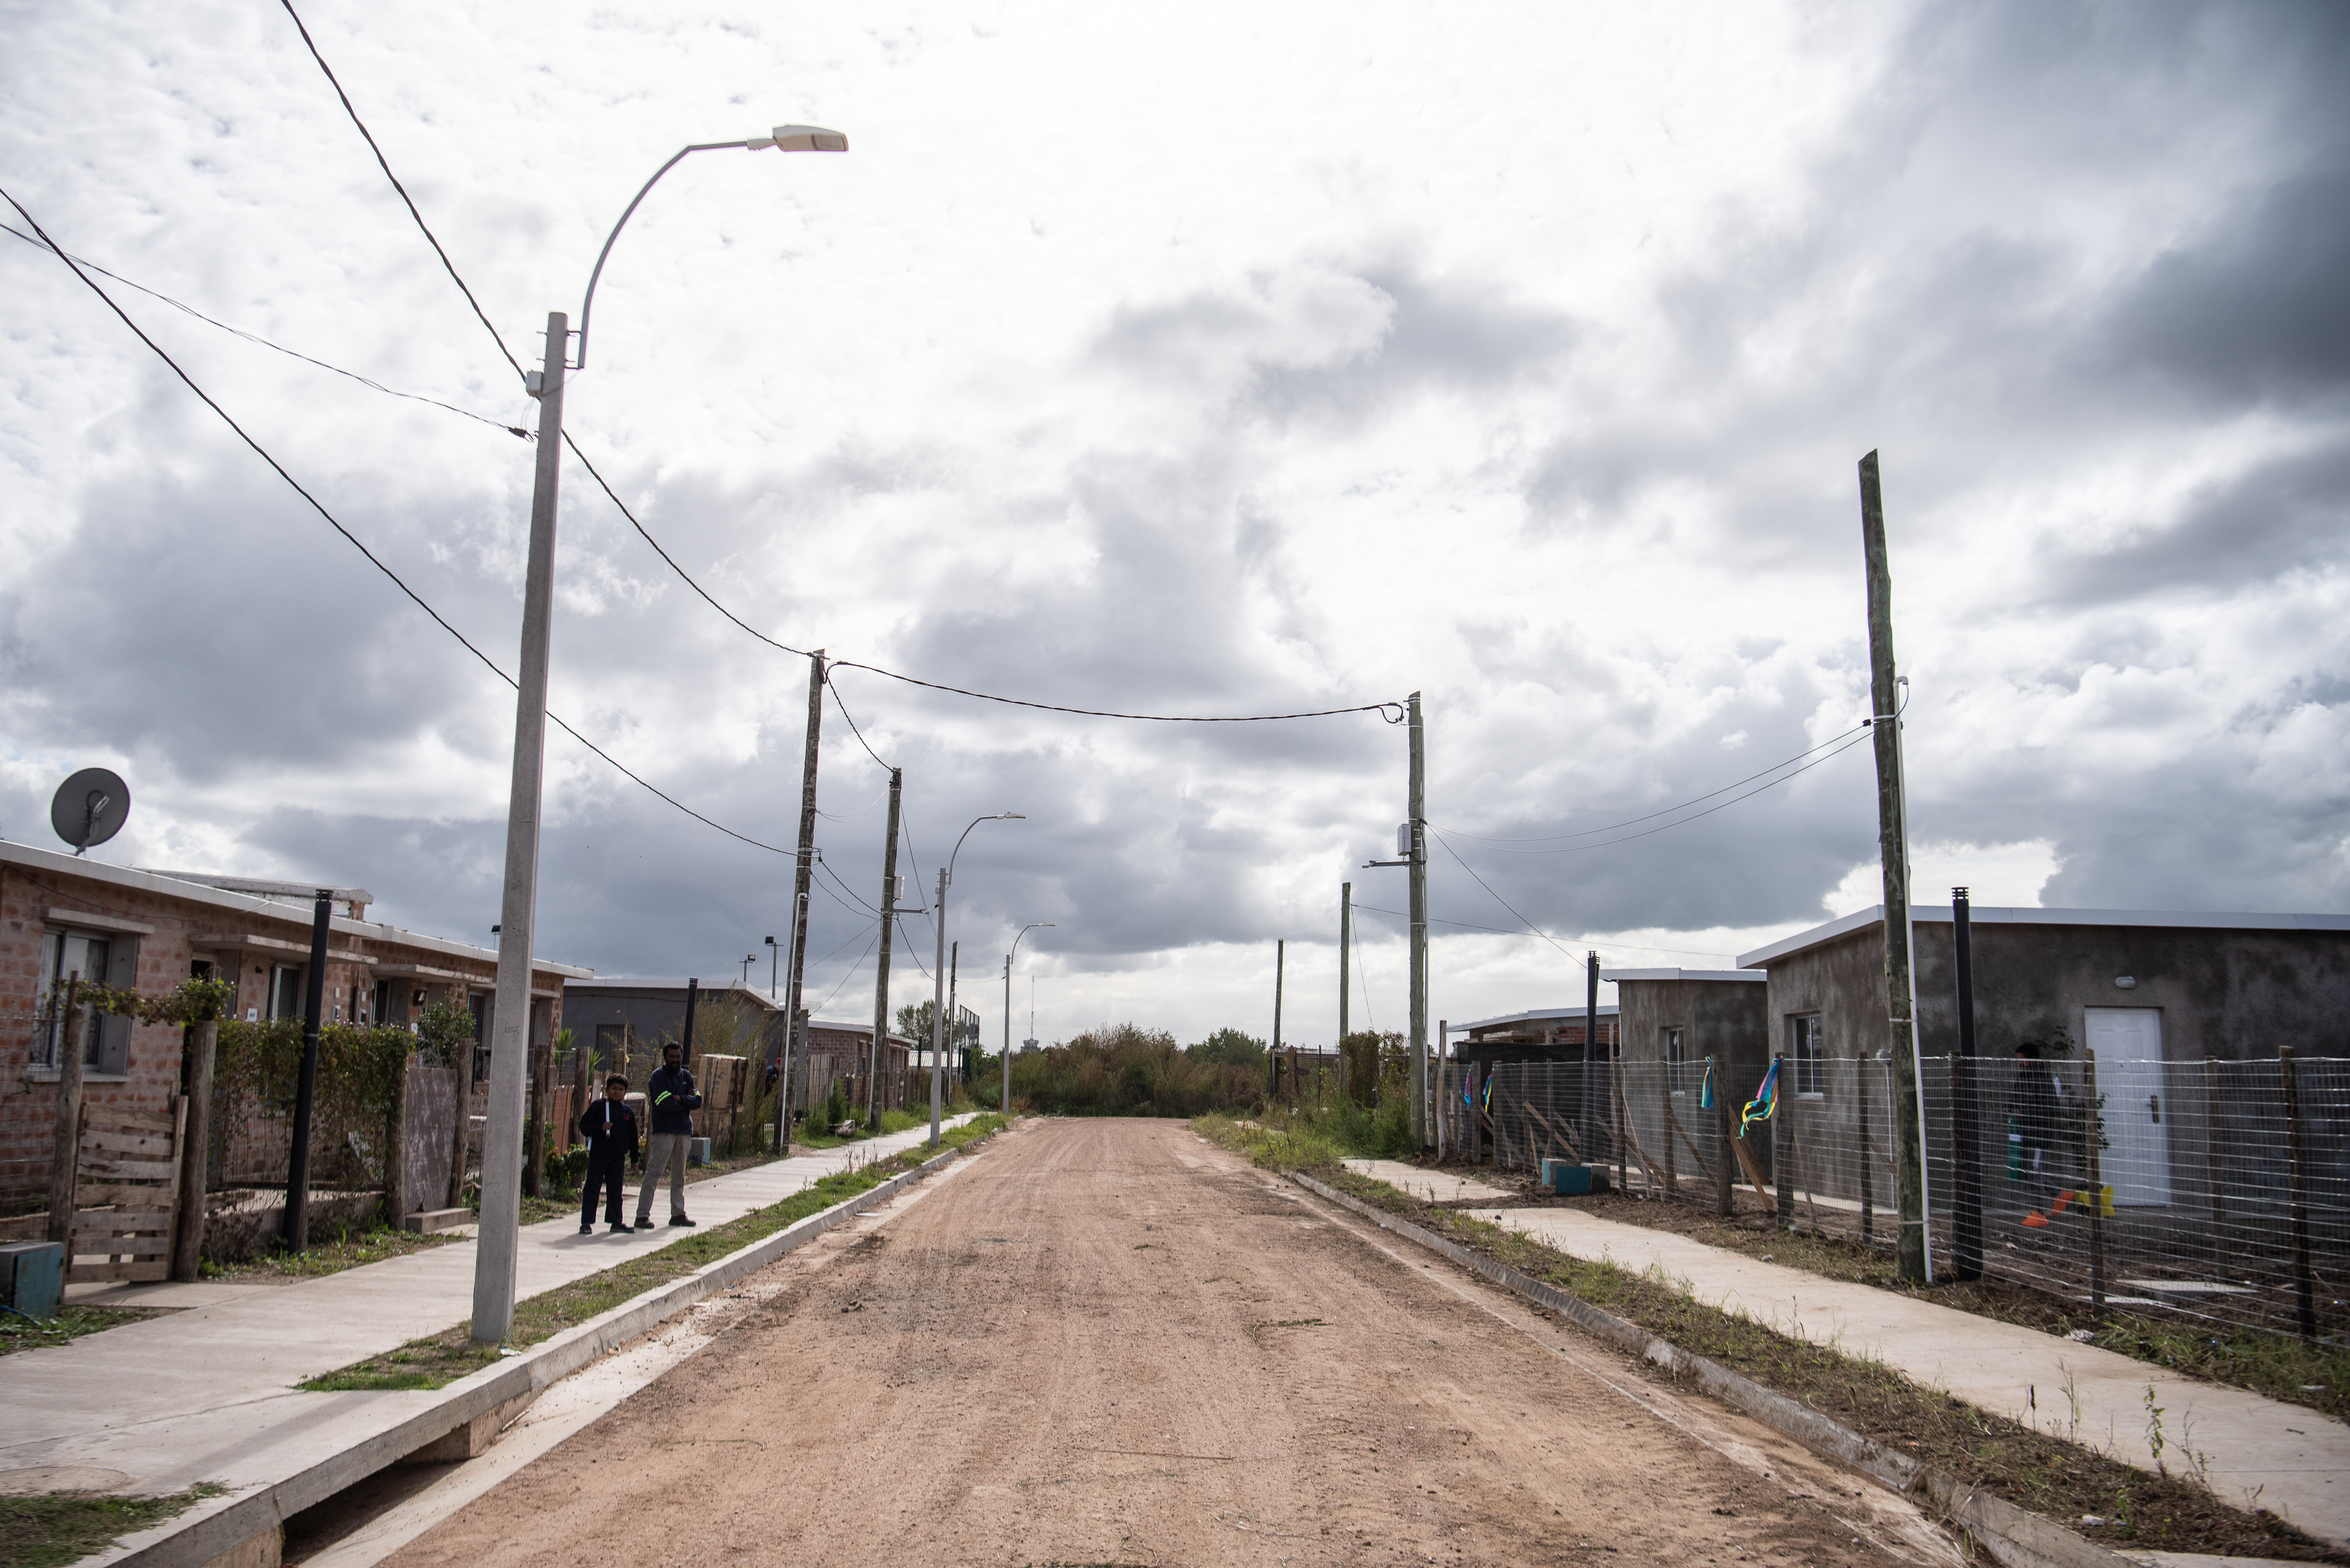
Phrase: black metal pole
pixel 314 1004
pixel 1966 1233
pixel 685 1041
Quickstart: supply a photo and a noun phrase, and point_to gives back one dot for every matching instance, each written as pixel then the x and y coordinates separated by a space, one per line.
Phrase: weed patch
pixel 70 1323
pixel 67 1526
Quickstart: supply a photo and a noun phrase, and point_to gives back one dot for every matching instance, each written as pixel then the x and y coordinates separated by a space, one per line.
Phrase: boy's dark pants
pixel 606 1174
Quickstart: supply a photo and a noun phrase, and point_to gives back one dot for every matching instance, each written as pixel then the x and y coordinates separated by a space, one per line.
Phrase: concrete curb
pixel 212 1529
pixel 2010 1534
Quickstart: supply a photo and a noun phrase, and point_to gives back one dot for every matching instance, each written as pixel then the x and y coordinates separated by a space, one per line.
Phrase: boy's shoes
pixel 679 1220
pixel 587 1230
pixel 644 1224
pixel 620 1230
pixel 2034 1221
pixel 2063 1198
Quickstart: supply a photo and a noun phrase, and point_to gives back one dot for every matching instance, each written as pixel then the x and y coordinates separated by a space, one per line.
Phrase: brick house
pixel 148 930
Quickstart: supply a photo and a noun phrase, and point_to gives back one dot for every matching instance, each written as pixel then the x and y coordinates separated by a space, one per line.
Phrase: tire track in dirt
pixel 1107 1341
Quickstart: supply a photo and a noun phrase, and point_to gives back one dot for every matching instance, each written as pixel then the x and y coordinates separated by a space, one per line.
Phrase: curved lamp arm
pixel 1039 926
pixel 790 138
pixel 992 816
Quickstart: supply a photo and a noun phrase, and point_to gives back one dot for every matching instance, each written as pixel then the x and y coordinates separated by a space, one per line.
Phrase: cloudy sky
pixel 1205 360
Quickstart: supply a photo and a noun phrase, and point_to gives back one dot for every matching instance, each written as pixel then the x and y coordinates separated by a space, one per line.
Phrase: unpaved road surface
pixel 1108 1342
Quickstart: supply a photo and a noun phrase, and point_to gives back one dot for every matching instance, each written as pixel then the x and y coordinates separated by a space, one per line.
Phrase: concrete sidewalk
pixel 2297 1461
pixel 1436 1186
pixel 206 1393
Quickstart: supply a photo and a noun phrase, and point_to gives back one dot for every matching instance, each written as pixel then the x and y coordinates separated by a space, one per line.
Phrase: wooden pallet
pixel 126 1194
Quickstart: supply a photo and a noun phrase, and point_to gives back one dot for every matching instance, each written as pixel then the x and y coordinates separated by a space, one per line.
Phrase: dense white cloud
pixel 1218 360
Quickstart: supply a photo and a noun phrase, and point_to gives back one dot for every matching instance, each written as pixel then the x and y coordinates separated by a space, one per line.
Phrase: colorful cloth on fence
pixel 1765 1100
pixel 1705 1089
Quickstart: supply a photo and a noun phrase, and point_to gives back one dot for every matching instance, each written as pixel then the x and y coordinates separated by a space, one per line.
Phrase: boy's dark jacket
pixel 670 1093
pixel 610 1128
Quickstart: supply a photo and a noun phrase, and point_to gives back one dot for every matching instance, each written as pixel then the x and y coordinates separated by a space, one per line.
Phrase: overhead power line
pixel 353 540
pixel 1391 712
pixel 367 381
pixel 1506 931
pixel 385 165
pixel 1651 817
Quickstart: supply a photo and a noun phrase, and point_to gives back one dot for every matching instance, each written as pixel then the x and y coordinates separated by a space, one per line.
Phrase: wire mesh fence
pixel 2215 1190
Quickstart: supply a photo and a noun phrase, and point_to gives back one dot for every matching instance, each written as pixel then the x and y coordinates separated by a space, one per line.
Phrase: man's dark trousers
pixel 606 1174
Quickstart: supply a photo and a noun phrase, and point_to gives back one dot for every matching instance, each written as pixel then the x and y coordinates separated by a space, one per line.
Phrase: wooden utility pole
pixel 1419 844
pixel 955 1022
pixel 881 978
pixel 1966 1141
pixel 1893 852
pixel 65 1168
pixel 803 871
pixel 1346 951
pixel 196 1153
pixel 1593 1096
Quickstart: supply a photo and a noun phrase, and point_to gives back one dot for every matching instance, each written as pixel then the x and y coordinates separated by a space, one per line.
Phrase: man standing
pixel 670 1097
pixel 610 1130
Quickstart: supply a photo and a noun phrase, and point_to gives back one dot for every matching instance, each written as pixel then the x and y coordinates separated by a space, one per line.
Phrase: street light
pixel 748 959
pixel 495 1255
pixel 774 956
pixel 1004 1105
pixel 939 971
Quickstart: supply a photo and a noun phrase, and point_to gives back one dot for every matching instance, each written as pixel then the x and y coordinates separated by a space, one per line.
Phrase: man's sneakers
pixel 644 1224
pixel 588 1229
pixel 679 1220
pixel 2034 1221
pixel 620 1230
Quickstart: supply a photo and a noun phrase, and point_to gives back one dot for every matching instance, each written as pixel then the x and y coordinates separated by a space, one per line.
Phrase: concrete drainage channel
pixel 246 1531
pixel 2007 1533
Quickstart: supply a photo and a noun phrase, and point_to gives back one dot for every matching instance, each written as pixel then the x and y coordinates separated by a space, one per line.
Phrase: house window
pixel 63 953
pixel 1672 1054
pixel 285 991
pixel 1806 1074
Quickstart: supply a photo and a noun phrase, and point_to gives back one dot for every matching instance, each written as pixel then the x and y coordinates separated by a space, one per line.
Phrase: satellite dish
pixel 90 807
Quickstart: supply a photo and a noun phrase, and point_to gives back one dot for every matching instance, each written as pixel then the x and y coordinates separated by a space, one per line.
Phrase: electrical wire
pixel 368 382
pixel 852 724
pixel 851 972
pixel 1382 709
pixel 1667 811
pixel 1497 897
pixel 385 165
pixel 353 539
pixel 1856 738
pixel 1505 931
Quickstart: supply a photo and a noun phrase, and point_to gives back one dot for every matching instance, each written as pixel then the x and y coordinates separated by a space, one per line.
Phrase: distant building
pixel 1539 1035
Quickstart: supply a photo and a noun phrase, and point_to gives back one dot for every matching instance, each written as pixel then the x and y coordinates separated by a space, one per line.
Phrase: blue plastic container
pixel 31 1277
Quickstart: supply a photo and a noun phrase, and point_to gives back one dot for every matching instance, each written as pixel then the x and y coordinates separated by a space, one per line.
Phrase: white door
pixel 2127 1043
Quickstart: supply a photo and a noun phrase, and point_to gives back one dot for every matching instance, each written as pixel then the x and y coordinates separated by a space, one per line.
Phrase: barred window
pixel 1806 1073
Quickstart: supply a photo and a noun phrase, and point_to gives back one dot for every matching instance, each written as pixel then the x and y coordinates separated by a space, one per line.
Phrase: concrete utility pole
pixel 1419 927
pixel 1345 948
pixel 1912 1253
pixel 497 1249
pixel 803 870
pixel 879 1052
pixel 1280 962
pixel 939 1009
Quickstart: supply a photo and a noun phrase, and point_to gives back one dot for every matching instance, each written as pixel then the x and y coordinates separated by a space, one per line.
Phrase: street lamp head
pixel 801 139
pixel 1011 817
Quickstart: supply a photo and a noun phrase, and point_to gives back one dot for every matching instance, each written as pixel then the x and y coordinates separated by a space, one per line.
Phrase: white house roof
pixel 171 887
pixel 1732 974
pixel 712 988
pixel 1988 915
pixel 1538 1014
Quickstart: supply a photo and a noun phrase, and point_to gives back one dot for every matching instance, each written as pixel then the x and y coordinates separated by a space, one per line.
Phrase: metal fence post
pixel 1868 1182
pixel 2296 1169
pixel 2092 1166
pixel 1783 1158
pixel 1722 1202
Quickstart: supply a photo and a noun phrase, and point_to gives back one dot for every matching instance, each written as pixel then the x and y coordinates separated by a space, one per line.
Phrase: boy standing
pixel 610 1130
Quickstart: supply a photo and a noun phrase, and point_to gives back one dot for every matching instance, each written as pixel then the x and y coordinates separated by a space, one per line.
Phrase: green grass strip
pixel 440 1359
pixel 2178 1510
pixel 64 1527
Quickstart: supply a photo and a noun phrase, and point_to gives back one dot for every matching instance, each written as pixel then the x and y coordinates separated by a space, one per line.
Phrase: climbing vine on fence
pixel 256 1071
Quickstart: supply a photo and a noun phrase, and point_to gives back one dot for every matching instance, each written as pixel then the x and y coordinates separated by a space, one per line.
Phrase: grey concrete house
pixel 633 1018
pixel 1672 1022
pixel 2178 1011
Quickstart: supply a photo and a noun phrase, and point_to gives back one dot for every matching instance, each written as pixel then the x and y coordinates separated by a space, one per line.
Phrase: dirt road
pixel 1109 1341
